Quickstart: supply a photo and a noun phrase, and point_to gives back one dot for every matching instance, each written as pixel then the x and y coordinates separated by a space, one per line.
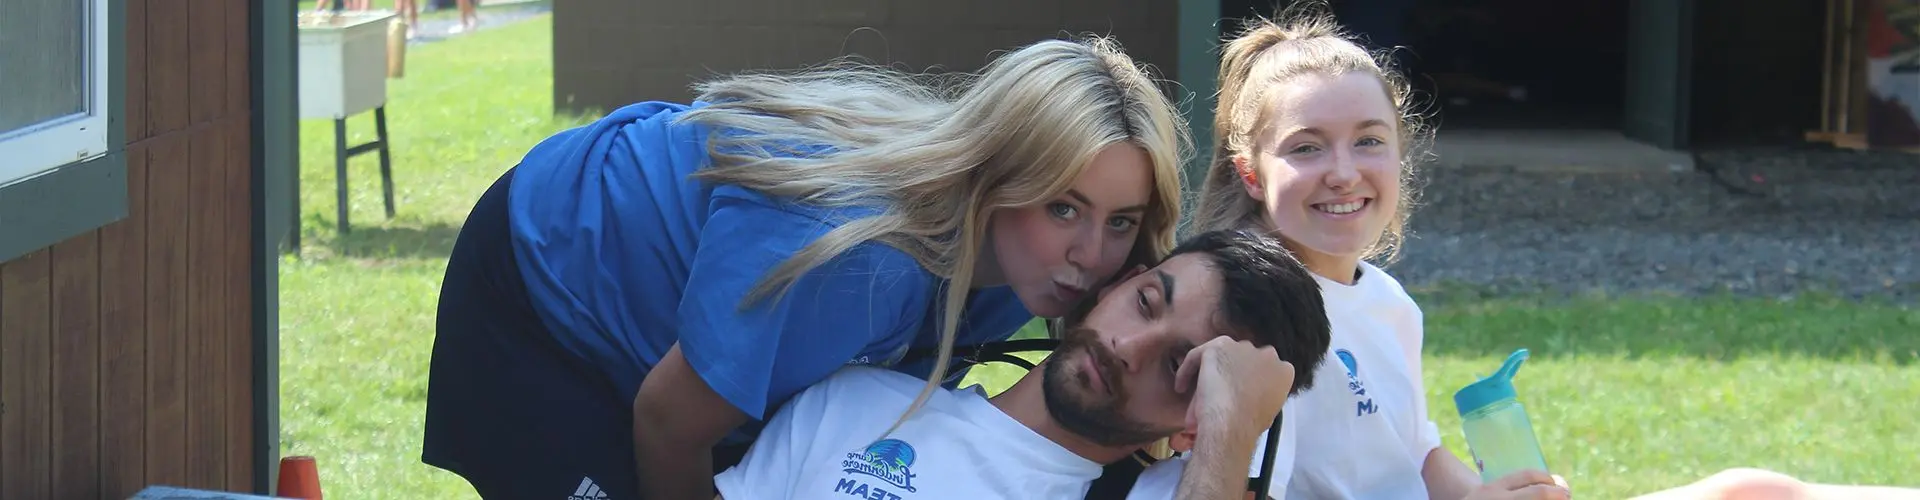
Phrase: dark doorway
pixel 1499 64
pixel 1522 63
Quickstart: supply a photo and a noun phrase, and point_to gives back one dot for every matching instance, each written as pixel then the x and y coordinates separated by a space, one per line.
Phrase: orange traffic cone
pixel 299 478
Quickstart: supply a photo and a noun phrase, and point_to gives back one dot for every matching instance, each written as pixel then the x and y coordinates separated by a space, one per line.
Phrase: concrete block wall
pixel 608 53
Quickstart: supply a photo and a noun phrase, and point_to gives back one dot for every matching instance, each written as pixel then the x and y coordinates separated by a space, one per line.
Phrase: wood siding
pixel 125 352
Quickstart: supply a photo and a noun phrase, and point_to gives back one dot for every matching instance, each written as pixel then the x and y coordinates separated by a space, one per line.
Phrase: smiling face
pixel 1111 380
pixel 1326 167
pixel 1051 253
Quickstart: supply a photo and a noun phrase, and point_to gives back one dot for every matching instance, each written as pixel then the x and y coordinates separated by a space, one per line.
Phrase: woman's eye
pixel 1303 149
pixel 1122 224
pixel 1372 141
pixel 1062 210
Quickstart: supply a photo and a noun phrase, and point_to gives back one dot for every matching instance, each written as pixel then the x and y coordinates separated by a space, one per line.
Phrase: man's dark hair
pixel 1266 293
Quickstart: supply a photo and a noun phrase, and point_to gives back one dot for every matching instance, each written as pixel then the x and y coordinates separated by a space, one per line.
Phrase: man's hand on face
pixel 1234 385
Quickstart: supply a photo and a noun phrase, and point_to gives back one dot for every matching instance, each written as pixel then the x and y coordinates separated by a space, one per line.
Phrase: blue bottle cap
pixel 1493 388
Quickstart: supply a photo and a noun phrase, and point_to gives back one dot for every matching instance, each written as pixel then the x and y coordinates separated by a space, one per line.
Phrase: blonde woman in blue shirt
pixel 624 306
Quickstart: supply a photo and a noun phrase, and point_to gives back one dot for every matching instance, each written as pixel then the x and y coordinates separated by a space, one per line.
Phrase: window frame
pixel 42 147
pixel 66 176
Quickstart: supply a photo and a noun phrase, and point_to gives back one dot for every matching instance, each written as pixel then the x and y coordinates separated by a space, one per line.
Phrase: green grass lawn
pixel 1632 395
pixel 1628 395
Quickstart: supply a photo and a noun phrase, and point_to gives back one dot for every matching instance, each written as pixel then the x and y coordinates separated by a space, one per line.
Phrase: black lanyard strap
pixel 992 351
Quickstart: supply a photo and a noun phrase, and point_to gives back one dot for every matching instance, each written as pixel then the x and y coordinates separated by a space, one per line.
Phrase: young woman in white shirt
pixel 1315 141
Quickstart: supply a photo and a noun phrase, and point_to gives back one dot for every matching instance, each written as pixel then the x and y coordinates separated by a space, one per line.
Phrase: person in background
pixel 323 5
pixel 469 17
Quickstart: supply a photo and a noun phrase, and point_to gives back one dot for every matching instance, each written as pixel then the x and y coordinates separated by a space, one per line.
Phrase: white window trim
pixel 43 147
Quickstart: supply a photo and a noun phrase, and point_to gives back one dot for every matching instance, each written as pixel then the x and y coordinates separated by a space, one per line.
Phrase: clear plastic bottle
pixel 1496 426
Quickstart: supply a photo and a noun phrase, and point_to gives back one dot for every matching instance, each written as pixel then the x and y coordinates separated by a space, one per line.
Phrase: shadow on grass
pixel 421 241
pixel 1710 328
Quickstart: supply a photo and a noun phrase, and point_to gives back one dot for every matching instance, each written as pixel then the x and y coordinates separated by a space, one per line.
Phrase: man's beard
pixel 1072 402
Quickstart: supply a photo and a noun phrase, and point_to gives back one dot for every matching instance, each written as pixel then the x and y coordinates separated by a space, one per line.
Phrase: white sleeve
pixel 1412 334
pixel 772 465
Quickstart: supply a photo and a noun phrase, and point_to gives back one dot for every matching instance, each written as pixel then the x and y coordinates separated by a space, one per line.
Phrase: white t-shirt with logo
pixel 827 444
pixel 1362 431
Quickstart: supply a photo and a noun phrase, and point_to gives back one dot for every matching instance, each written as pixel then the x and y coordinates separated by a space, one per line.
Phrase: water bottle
pixel 1499 435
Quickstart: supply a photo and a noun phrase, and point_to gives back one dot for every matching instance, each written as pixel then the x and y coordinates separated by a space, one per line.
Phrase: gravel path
pixel 1767 222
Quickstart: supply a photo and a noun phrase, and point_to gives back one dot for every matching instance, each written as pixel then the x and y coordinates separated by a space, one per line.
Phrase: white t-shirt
pixel 1362 431
pixel 826 444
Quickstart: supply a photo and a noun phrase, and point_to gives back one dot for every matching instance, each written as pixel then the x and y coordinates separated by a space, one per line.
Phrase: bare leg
pixel 468 17
pixel 409 11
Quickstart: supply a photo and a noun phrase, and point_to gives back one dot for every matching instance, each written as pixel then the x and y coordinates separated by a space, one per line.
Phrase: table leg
pixel 340 171
pixel 386 162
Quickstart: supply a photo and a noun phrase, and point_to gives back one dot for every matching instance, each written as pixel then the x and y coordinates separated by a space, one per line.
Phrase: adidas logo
pixel 587 491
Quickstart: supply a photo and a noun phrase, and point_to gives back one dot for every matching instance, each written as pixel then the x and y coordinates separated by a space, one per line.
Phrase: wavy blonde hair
pixel 941 154
pixel 1260 58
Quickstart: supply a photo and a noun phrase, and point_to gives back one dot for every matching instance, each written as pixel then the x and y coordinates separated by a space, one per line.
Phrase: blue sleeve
pixel 868 301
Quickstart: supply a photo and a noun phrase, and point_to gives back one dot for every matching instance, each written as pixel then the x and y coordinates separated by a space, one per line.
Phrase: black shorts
pixel 508 408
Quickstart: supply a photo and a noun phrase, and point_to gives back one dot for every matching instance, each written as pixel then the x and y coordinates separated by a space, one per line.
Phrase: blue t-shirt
pixel 623 255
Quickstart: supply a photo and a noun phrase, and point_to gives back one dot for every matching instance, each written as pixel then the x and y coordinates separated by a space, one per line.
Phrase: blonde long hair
pixel 940 157
pixel 1262 56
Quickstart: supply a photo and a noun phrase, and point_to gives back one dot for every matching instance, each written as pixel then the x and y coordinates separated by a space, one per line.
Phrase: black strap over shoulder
pixel 1116 479
pixel 991 351
pixel 1261 484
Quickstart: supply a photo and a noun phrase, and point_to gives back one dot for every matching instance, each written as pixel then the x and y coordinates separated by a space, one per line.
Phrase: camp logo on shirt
pixel 1365 404
pixel 892 357
pixel 889 460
